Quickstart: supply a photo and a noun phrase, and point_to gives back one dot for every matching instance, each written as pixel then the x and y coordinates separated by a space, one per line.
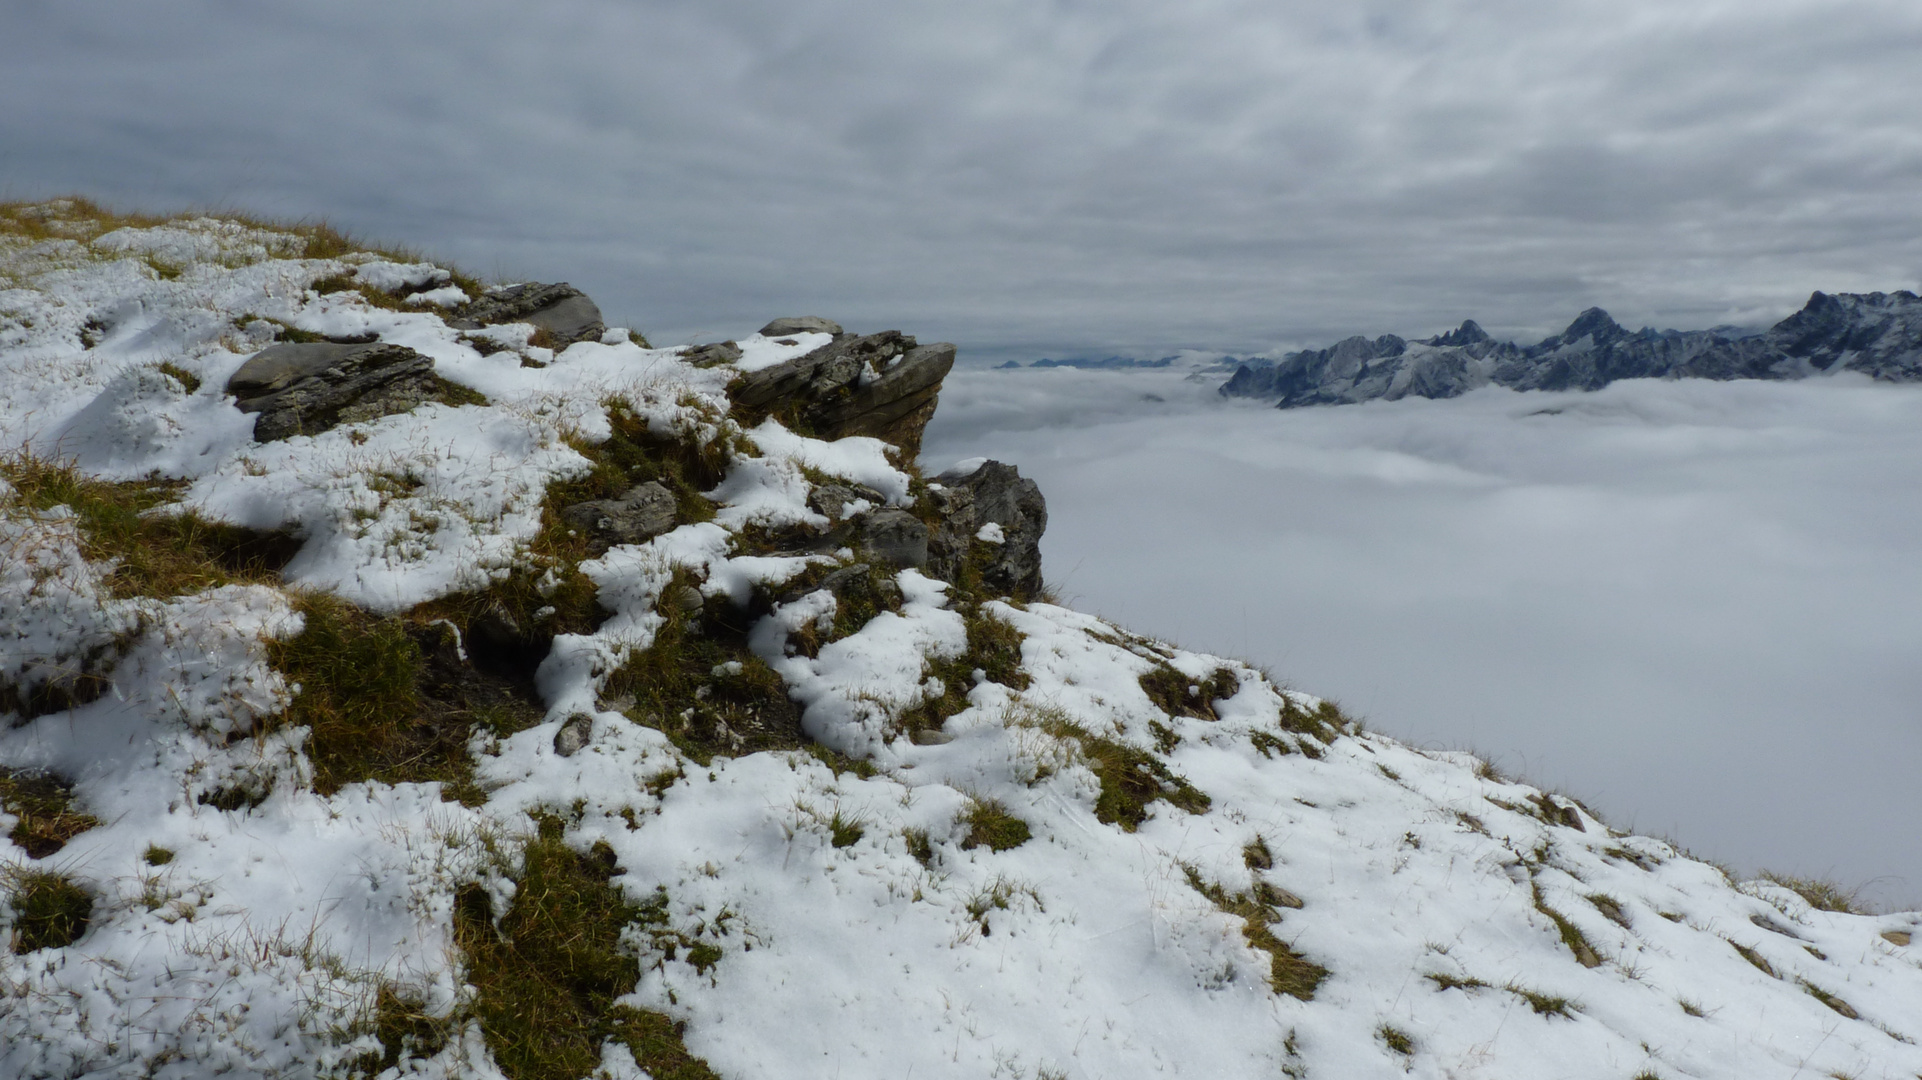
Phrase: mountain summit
pixel 406 678
pixel 1877 334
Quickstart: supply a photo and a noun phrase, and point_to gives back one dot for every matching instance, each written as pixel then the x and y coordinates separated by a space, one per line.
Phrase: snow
pixel 1083 952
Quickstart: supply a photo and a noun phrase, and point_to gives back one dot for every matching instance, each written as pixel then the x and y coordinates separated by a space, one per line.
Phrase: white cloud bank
pixel 1696 605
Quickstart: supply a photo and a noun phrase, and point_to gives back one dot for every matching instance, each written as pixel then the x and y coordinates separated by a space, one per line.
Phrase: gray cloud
pixel 1131 174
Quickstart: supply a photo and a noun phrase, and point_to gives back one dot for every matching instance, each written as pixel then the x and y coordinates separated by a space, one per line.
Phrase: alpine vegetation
pixel 405 678
pixel 1874 334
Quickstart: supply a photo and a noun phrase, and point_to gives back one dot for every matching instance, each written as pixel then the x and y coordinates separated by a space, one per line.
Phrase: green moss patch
pixel 42 805
pixel 992 826
pixel 50 911
pixel 700 685
pixel 547 976
pixel 389 700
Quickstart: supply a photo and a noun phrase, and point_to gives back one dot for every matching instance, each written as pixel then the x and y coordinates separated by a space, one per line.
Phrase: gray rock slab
pixel 277 367
pixel 304 389
pixel 883 385
pixel 893 536
pixel 801 324
pixel 712 354
pixel 573 319
pixel 642 513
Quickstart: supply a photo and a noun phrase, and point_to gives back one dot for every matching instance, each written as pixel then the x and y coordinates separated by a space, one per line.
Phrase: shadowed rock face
pixel 563 311
pixel 884 385
pixel 1878 334
pixel 302 389
pixel 994 494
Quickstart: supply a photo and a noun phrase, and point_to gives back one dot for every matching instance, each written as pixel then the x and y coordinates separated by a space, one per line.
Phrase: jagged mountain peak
pixel 1594 324
pixel 1469 332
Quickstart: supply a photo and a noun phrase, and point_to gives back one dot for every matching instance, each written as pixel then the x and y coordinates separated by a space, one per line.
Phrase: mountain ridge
pixel 1875 334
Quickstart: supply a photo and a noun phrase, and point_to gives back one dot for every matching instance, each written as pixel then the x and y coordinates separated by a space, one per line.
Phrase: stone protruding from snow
pixel 563 311
pixel 642 513
pixel 993 493
pixel 884 385
pixel 840 501
pixel 801 324
pixel 304 388
pixel 573 735
pixel 712 354
pixel 1878 334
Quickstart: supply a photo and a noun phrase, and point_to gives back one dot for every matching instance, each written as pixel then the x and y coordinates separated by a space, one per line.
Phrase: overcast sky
pixel 1131 174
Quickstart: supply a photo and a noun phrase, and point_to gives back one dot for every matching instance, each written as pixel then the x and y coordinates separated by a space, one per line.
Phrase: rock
pixel 574 734
pixel 803 324
pixel 992 493
pixel 858 581
pixel 720 352
pixel 563 311
pixel 884 385
pixel 642 513
pixel 893 536
pixel 305 388
pixel 687 598
pixel 834 500
pixel 1897 937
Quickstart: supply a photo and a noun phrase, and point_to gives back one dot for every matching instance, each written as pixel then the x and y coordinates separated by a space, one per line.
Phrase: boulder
pixel 305 388
pixel 712 355
pixel 884 385
pixel 838 501
pixel 801 324
pixel 893 536
pixel 642 513
pixel 993 516
pixel 563 311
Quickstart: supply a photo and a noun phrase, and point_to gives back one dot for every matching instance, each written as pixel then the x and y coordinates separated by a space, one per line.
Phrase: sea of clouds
pixel 1696 606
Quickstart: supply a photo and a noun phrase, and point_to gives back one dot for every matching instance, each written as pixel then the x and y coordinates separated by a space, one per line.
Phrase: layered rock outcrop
pixel 885 385
pixel 1877 334
pixel 305 388
pixel 560 311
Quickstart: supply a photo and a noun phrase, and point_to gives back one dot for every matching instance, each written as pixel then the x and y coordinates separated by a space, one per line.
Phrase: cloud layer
pixel 1691 603
pixel 1223 173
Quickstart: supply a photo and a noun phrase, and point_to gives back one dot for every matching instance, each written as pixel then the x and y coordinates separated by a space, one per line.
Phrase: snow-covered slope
pixel 1002 838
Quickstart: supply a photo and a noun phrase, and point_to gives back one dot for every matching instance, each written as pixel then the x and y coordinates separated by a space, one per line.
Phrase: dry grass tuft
pixel 42 805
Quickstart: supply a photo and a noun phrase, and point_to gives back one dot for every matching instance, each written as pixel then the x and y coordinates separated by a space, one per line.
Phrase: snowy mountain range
pixel 1877 334
pixel 401 677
